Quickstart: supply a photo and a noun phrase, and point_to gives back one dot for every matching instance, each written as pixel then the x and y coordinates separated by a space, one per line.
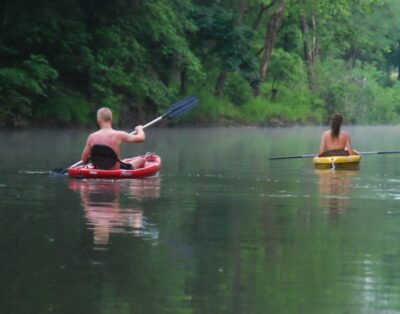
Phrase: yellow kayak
pixel 337 161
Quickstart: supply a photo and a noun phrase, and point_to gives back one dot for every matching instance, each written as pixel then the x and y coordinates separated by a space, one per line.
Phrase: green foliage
pixel 358 92
pixel 24 86
pixel 291 105
pixel 65 107
pixel 286 98
pixel 224 40
pixel 61 60
pixel 287 68
pixel 238 90
pixel 216 109
pixel 137 54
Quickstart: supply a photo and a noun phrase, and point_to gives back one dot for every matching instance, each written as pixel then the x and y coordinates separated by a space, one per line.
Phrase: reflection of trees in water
pixel 105 215
pixel 334 189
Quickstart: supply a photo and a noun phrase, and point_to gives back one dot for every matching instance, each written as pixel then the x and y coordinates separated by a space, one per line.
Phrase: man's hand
pixel 139 129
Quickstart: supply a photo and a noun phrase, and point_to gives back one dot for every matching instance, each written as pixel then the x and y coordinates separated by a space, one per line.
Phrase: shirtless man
pixel 112 138
pixel 335 142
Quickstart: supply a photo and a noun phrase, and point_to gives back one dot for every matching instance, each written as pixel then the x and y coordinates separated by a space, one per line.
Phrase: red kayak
pixel 151 167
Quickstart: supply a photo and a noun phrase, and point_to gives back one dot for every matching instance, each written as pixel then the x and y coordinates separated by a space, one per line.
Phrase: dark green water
pixel 221 230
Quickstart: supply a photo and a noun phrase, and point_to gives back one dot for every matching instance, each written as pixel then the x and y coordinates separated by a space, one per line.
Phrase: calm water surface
pixel 221 230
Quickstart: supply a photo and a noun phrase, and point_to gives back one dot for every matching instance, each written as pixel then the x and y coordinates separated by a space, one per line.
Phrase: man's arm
pixel 138 137
pixel 86 151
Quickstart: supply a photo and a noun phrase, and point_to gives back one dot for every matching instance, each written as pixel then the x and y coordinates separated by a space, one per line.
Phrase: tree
pixel 223 41
pixel 269 42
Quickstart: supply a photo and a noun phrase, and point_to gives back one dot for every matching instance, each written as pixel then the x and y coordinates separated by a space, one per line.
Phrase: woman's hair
pixel 336 123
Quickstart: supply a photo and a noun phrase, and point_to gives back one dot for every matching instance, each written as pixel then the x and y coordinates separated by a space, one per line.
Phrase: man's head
pixel 104 114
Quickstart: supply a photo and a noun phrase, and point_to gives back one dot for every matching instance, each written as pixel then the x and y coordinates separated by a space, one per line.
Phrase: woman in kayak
pixel 336 142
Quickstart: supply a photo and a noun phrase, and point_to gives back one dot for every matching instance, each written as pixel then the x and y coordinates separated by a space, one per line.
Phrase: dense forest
pixel 261 62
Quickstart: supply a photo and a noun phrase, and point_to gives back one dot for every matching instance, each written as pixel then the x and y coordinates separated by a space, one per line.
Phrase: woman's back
pixel 335 143
pixel 335 140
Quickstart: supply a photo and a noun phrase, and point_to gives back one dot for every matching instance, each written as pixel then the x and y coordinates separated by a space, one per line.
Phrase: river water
pixel 222 229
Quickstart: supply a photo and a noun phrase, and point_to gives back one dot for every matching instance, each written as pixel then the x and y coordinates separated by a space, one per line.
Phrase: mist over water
pixel 222 229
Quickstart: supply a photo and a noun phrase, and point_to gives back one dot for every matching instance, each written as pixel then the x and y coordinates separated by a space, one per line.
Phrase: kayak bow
pixel 351 160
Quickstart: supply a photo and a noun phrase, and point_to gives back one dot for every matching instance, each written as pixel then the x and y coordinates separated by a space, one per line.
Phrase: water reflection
pixel 111 207
pixel 334 189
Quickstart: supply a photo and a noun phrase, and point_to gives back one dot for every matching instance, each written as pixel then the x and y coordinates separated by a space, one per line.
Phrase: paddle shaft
pixel 380 153
pixel 293 157
pixel 313 155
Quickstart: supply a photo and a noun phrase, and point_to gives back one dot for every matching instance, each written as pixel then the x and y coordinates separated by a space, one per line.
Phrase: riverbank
pixel 274 122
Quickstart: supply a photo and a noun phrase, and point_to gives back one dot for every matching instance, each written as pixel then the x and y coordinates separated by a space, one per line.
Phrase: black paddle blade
pixel 61 171
pixel 181 107
pixel 181 103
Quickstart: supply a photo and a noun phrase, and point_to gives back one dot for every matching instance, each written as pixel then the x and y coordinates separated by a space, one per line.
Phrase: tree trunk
pixel 89 10
pixel 305 31
pixel 242 10
pixel 3 17
pixel 310 47
pixel 269 42
pixel 183 81
pixel 223 75
pixel 219 86
pixel 261 11
pixel 398 71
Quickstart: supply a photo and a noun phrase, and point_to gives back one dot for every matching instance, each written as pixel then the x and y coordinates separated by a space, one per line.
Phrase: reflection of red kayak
pixel 151 166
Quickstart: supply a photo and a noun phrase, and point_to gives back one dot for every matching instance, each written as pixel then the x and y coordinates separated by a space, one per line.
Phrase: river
pixel 222 229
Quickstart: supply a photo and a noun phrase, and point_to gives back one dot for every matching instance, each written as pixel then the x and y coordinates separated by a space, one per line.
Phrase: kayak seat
pixel 104 157
pixel 337 152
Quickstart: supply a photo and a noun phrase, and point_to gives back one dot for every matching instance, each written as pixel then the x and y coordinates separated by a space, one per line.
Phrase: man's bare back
pixel 112 138
pixel 108 137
